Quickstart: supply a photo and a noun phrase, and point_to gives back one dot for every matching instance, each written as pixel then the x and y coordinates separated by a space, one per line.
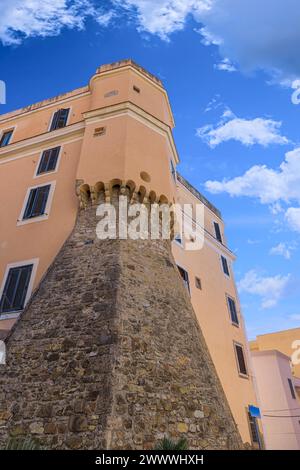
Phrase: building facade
pixel 116 130
pixel 276 363
pixel 279 401
pixel 285 341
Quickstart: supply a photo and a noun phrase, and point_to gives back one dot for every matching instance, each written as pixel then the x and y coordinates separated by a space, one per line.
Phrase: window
pixel 253 428
pixel 15 289
pixel 99 131
pixel 136 89
pixel 185 277
pixel 225 266
pixel 178 238
pixel 59 119
pixel 37 201
pixel 292 389
pixel 218 232
pixel 173 170
pixel 111 93
pixel 48 161
pixel 232 310
pixel 5 139
pixel 240 359
pixel 198 283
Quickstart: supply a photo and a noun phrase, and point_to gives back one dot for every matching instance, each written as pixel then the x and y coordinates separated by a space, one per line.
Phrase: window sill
pixel 178 244
pixel 237 325
pixel 10 315
pixel 243 376
pixel 46 173
pixel 32 220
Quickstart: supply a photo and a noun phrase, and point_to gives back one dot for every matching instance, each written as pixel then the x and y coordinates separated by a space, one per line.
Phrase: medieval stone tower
pixel 108 353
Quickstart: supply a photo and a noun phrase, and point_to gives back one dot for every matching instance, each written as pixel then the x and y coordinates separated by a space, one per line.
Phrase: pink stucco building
pixel 279 400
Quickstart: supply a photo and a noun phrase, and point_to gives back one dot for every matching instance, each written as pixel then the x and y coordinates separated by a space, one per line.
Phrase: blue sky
pixel 230 74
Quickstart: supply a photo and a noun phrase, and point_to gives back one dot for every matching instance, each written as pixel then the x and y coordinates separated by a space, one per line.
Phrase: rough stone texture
pixel 109 354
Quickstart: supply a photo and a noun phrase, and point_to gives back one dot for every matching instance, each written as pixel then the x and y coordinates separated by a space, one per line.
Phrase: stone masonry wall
pixel 109 354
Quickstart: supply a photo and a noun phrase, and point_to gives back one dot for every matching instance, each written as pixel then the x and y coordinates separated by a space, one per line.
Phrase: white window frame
pixel 8 129
pixel 39 161
pixel 245 376
pixel 17 264
pixel 52 116
pixel 47 208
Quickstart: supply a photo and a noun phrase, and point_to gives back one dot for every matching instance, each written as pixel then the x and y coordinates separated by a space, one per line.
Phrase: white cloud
pixel 276 208
pixel 163 17
pixel 294 317
pixel 257 35
pixel 253 242
pixel 29 18
pixel 247 131
pixel 270 186
pixel 282 249
pixel 252 33
pixel 213 104
pixel 267 184
pixel 292 216
pixel 225 65
pixel 269 289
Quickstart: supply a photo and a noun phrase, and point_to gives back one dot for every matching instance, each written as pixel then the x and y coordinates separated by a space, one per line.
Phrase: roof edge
pixel 198 195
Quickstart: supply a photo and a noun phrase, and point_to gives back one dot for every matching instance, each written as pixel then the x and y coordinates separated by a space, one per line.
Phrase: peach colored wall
pixel 282 341
pixel 39 239
pixel 184 196
pixel 151 98
pixel 272 369
pixel 127 149
pixel 210 305
pixel 132 143
pixel 38 121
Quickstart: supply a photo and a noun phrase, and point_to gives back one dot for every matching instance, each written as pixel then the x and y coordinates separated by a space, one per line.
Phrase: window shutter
pixel 5 139
pixel 15 288
pixel 218 232
pixel 64 113
pixel 253 429
pixel 185 276
pixel 241 359
pixel 233 312
pixel 55 121
pixel 49 160
pixel 225 265
pixel 44 162
pixel 21 290
pixel 30 204
pixel 59 119
pixel 53 159
pixel 41 200
pixel 37 201
pixel 292 389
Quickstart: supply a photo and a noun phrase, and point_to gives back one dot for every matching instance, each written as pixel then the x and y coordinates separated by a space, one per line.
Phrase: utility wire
pixel 281 409
pixel 281 416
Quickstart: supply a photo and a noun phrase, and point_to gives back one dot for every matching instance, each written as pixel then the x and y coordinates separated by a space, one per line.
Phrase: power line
pixel 281 409
pixel 281 416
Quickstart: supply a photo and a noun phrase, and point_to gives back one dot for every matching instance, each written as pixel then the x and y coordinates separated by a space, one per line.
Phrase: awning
pixel 254 411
